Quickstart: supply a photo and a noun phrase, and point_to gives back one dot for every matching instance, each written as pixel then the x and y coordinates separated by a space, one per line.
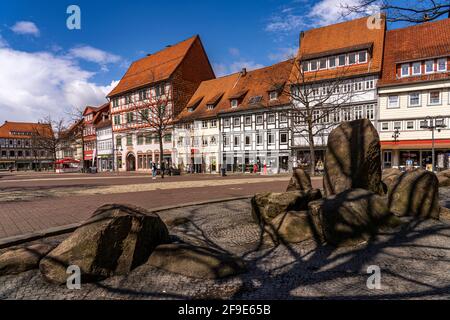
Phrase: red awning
pixel 66 160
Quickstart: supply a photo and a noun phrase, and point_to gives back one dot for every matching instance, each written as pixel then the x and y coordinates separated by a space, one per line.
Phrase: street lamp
pixel 433 123
pixel 396 134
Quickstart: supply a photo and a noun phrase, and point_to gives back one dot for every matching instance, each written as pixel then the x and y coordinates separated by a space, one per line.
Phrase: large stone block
pixel 116 239
pixel 353 158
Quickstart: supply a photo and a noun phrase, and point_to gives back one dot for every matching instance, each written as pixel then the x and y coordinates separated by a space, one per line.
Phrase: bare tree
pixel 154 115
pixel 47 137
pixel 318 105
pixel 401 11
pixel 76 116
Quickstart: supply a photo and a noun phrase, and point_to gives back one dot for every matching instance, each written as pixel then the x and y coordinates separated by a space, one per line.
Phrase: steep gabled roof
pixel 415 43
pixel 155 67
pixel 339 38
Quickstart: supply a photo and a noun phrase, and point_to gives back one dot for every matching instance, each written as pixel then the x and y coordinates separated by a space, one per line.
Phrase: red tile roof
pixel 254 83
pixel 156 67
pixel 8 129
pixel 415 43
pixel 338 38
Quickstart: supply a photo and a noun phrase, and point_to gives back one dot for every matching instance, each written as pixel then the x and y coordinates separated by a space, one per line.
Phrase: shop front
pixel 406 155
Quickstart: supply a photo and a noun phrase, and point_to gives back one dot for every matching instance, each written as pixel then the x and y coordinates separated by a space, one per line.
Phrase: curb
pixel 55 231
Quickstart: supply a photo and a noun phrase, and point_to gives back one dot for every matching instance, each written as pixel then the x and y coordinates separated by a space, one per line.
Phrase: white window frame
pixel 269 116
pixel 390 106
pixel 410 121
pixel 426 64
pixel 273 95
pixel 331 59
pixel 234 103
pixel 259 116
pixel 440 98
pixel 420 68
pixel 401 70
pixel 445 65
pixel 356 58
pixel 270 134
pixel 397 122
pixel 382 126
pixel 365 54
pixel 419 104
pixel 287 137
pixel 319 63
pixel 338 60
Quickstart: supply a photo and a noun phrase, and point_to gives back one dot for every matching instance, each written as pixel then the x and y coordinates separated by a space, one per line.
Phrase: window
pixel 305 66
pixel 323 64
pixel 414 99
pixel 313 65
pixel 20 153
pixel 247 140
pixel 213 123
pixel 12 153
pixel 236 140
pixel 130 117
pixel 148 138
pixel 283 117
pixel 271 118
pixel 234 103
pixel 362 57
pixel 423 124
pixel 442 64
pixel 358 112
pixel 248 121
pixel 259 119
pixel 385 126
pixel 347 114
pixel 331 62
pixel 273 95
pixel 397 125
pixel 118 141
pixel 283 137
pixel 259 139
pixel 429 66
pixel 271 138
pixel 143 94
pixel 140 139
pixel 129 139
pixel 410 125
pixel 168 138
pixel 128 99
pixel 435 97
pixel 226 122
pixel 27 153
pixel 115 103
pixel 3 153
pixel 159 90
pixel 204 141
pixel 416 68
pixel 370 112
pixel 369 84
pixel 341 60
pixel 393 102
pixel 145 115
pixel 226 140
pixel 117 119
pixel 210 106
pixel 405 70
pixel 352 58
pixel 205 124
pixel 213 140
pixel 236 122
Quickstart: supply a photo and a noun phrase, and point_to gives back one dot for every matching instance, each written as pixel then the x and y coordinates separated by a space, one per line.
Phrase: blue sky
pixel 49 69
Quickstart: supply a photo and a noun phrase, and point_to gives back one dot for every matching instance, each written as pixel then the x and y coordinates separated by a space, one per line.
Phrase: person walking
pixel 154 170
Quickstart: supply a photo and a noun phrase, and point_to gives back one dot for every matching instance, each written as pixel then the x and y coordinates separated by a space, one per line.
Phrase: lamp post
pixel 395 135
pixel 433 124
pixel 116 149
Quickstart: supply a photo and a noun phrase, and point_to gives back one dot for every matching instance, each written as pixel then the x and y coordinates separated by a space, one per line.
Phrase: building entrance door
pixel 131 162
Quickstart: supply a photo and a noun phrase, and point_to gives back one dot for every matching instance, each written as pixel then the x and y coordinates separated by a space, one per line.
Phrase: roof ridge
pixel 342 22
pixel 419 25
pixel 167 47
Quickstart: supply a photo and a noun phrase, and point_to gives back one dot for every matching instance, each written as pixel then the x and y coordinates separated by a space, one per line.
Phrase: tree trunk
pixel 311 151
pixel 161 154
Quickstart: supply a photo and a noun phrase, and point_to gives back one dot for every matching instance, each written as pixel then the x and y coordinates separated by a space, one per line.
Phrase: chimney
pixel 243 72
pixel 302 34
pixel 426 17
pixel 149 54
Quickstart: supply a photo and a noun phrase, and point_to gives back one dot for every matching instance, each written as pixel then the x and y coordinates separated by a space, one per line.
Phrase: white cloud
pixel 3 42
pixel 234 52
pixel 324 12
pixel 283 54
pixel 34 85
pixel 95 55
pixel 222 69
pixel 25 27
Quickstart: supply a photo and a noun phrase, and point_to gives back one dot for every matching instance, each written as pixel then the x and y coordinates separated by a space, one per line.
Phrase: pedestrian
pixel 255 168
pixel 154 170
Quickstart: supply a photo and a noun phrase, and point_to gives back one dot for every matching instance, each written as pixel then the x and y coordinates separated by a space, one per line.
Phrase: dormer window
pixel 442 64
pixel 313 65
pixel 352 58
pixel 362 57
pixel 273 95
pixel 416 68
pixel 322 64
pixel 210 106
pixel 331 62
pixel 405 70
pixel 191 109
pixel 234 103
pixel 341 60
pixel 429 66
